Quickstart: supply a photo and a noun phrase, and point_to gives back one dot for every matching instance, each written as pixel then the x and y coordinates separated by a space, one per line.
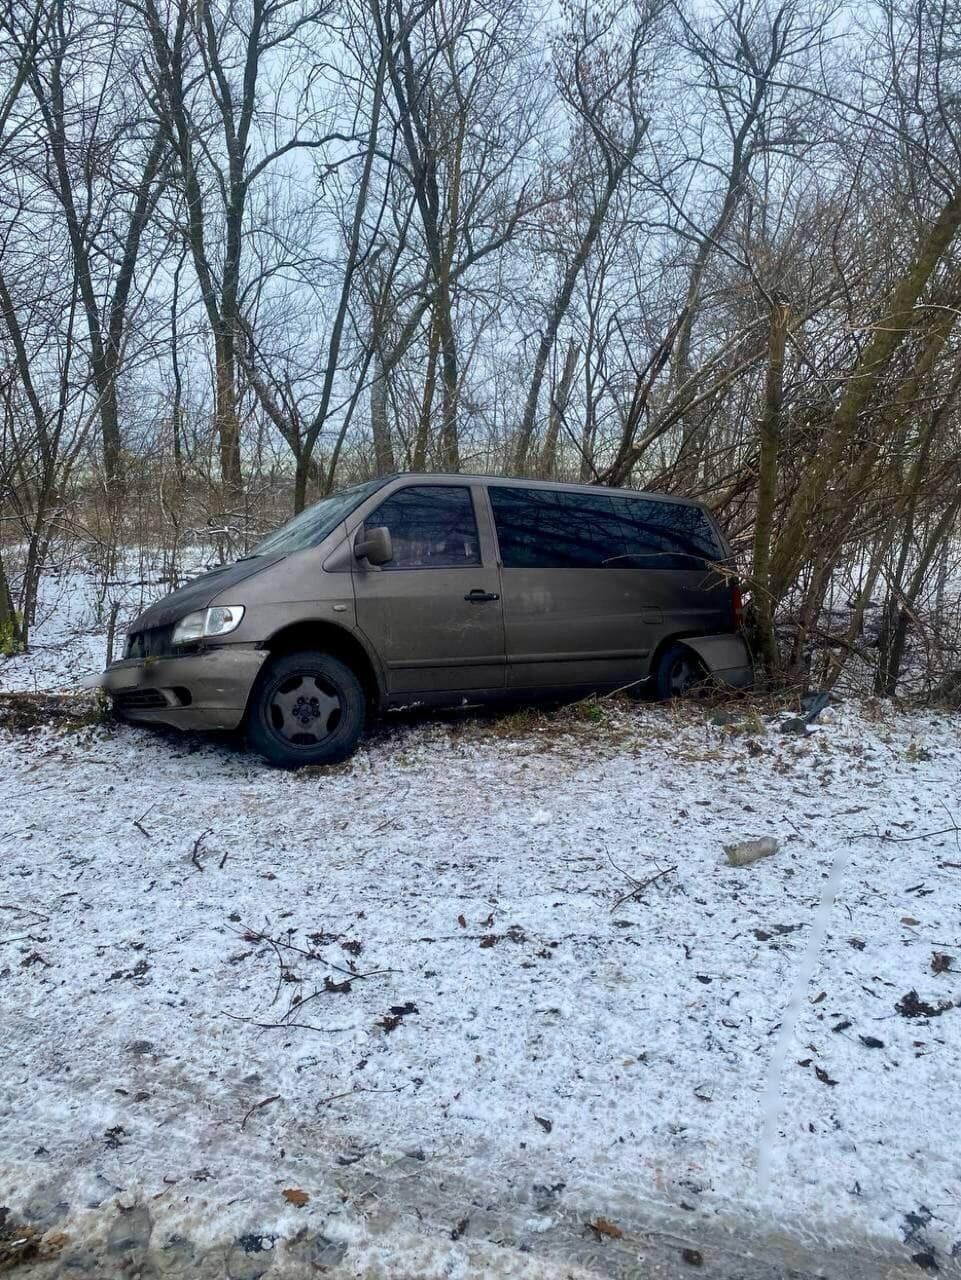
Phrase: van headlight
pixel 218 621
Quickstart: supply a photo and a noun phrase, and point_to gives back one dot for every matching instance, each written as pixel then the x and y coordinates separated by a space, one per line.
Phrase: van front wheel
pixel 306 708
pixel 678 673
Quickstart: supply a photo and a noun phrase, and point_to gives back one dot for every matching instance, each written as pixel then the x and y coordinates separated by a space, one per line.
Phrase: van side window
pixel 541 529
pixel 431 527
pixel 666 535
pixel 544 529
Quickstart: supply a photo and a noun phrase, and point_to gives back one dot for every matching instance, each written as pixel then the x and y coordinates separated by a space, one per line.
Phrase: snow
pixel 563 1003
pixel 68 641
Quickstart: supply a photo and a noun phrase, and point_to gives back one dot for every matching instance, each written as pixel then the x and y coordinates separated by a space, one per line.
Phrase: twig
pixel 633 893
pixel 313 955
pixel 626 874
pixel 197 843
pixel 274 1097
pixel 12 906
pixel 282 1026
pixel 222 861
pixel 282 969
pixel 349 1093
pixel 924 835
pixel 265 937
pixel 137 822
pixel 386 823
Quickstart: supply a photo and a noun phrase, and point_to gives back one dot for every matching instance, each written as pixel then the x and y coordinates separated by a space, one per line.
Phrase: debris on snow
pixel 19 1242
pixel 603 1227
pixel 391 1021
pixel 744 852
pixel 912 1006
pixel 871 1042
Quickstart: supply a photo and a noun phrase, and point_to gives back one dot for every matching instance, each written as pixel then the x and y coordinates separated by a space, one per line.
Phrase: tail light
pixel 737 604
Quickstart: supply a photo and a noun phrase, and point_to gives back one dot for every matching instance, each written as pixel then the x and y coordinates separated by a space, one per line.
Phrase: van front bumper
pixel 205 690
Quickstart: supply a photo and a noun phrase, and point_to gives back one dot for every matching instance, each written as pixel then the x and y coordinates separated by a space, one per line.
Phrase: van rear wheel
pixel 678 673
pixel 306 708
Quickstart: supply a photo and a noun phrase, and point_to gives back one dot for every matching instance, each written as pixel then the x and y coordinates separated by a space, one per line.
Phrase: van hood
pixel 200 592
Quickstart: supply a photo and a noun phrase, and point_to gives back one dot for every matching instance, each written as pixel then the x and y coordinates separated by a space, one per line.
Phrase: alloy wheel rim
pixel 304 709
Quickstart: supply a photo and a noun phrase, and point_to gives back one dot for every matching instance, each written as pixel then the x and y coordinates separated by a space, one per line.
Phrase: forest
pixel 254 250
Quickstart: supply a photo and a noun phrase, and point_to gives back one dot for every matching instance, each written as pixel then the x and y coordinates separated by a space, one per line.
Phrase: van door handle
pixel 479 597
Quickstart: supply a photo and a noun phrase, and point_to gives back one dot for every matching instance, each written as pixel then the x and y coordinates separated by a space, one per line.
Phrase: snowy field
pixel 488 1000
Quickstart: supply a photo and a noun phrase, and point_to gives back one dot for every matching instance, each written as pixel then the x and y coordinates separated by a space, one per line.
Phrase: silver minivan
pixel 437 590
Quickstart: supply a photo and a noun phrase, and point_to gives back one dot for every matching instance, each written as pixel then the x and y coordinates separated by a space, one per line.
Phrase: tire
pixel 678 673
pixel 306 708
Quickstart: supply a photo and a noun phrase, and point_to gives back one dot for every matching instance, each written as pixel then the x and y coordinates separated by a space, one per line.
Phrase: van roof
pixel 439 477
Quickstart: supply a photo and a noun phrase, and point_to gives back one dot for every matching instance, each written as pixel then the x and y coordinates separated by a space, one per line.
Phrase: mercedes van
pixel 437 590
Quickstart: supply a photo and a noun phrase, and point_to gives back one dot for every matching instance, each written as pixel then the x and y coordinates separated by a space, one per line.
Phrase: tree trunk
pixel 558 311
pixel 383 450
pixel 767 478
pixel 900 609
pixel 300 481
pixel 450 449
pixel 897 613
pixel 422 439
pixel 9 624
pixel 798 529
pixel 559 402
pixel 228 425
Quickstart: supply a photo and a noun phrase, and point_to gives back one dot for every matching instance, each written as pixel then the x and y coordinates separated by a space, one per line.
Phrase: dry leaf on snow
pixel 604 1228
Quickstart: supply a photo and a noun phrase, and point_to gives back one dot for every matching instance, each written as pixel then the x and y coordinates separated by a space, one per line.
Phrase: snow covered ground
pixel 508 954
pixel 69 638
pixel 488 1000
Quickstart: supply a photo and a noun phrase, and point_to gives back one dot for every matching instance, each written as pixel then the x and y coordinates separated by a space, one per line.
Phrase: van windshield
pixel 313 525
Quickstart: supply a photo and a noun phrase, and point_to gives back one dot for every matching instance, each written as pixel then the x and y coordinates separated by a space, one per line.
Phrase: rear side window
pixel 431 527
pixel 538 529
pixel 541 529
pixel 666 535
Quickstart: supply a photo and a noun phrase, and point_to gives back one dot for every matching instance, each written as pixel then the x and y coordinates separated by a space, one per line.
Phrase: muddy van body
pixel 437 590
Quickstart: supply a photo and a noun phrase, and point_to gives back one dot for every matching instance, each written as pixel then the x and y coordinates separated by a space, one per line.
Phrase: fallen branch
pixel 924 835
pixel 357 1089
pixel 196 849
pixel 274 1097
pixel 639 888
pixel 282 1026
pixel 12 906
pixel 311 955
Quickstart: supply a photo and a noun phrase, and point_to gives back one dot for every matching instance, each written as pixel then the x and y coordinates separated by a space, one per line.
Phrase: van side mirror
pixel 374 545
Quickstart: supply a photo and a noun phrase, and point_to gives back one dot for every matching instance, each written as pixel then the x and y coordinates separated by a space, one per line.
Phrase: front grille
pixel 155 642
pixel 138 699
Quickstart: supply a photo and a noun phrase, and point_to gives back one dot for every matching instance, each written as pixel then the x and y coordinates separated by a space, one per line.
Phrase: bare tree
pixel 101 163
pixel 450 75
pixel 216 81
pixel 603 69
